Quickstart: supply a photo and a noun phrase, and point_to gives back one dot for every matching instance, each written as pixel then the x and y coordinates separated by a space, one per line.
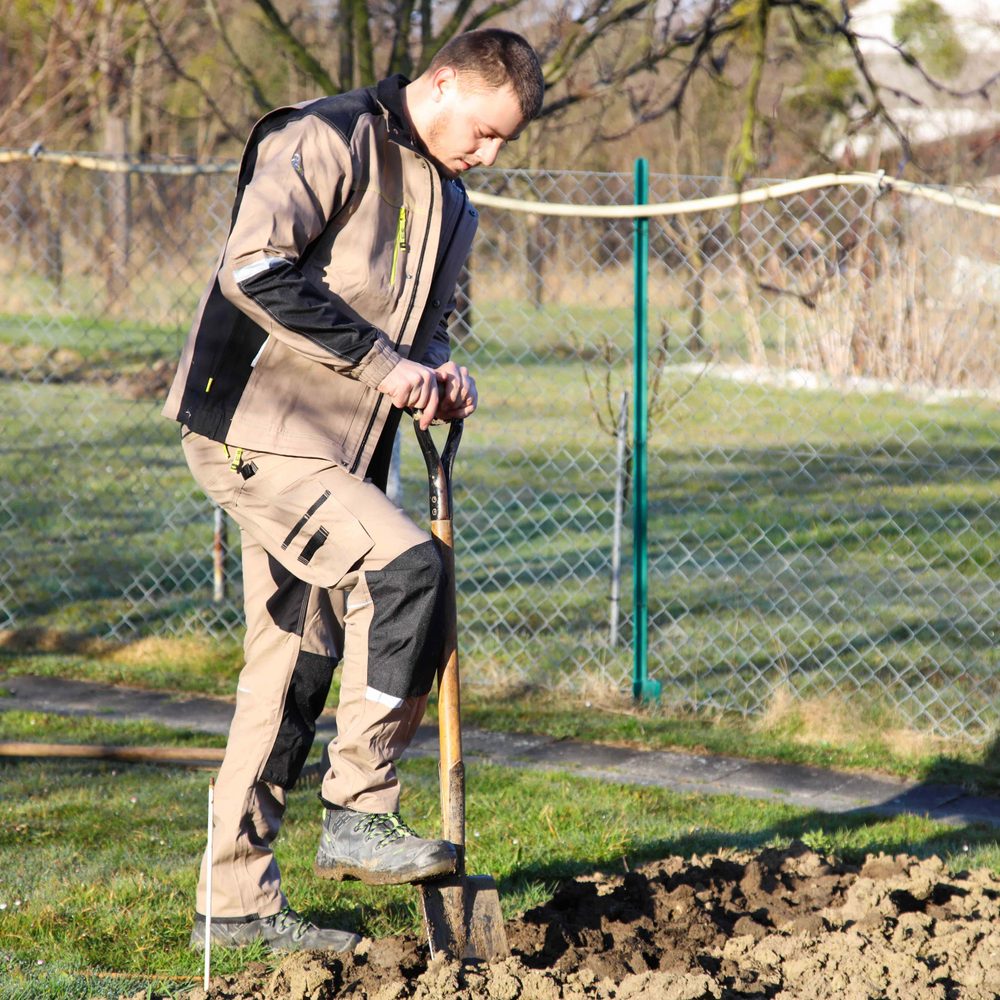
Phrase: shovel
pixel 461 912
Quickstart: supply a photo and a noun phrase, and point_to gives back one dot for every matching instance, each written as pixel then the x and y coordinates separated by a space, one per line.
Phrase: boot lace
pixel 387 827
pixel 287 920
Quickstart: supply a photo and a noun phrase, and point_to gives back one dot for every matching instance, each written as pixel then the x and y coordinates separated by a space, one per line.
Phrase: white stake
pixel 208 884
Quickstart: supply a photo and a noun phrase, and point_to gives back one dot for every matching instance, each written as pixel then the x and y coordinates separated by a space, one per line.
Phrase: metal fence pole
pixel 643 689
pixel 621 443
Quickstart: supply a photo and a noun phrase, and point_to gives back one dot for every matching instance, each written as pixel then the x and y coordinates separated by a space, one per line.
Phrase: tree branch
pixel 301 56
pixel 233 132
pixel 242 68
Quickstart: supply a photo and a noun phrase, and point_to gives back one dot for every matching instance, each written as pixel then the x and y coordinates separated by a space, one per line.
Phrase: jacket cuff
pixel 377 363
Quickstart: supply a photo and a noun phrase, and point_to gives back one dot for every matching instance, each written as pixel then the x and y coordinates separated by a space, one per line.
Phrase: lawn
pixel 99 860
pixel 815 543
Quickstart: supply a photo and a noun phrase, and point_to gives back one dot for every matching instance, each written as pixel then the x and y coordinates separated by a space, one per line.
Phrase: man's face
pixel 470 124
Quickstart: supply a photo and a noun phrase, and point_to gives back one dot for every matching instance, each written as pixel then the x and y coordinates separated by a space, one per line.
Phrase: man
pixel 325 316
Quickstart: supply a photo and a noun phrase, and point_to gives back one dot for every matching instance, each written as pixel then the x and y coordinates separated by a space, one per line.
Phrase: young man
pixel 326 315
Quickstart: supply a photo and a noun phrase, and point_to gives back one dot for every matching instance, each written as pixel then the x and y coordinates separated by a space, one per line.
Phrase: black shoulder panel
pixel 340 112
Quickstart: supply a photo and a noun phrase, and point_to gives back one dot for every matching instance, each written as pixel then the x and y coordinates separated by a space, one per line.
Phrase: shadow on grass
pixel 978 778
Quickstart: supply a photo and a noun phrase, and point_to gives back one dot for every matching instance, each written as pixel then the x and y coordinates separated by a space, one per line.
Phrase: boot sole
pixel 348 945
pixel 347 873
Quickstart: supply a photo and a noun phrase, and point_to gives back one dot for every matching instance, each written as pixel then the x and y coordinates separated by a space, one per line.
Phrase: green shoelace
pixel 388 826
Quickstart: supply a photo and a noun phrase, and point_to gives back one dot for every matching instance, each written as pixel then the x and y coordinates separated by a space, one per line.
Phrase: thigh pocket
pixel 296 516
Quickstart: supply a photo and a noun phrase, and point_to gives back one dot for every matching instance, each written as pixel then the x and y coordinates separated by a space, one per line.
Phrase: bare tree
pixel 627 64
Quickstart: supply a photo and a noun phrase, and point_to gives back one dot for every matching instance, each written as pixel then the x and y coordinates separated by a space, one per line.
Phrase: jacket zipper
pixel 399 244
pixel 406 319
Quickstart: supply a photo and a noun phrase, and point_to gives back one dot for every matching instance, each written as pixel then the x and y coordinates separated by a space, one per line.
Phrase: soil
pixel 776 924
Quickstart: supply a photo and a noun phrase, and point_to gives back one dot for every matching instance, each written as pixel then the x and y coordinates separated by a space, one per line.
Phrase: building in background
pixel 954 131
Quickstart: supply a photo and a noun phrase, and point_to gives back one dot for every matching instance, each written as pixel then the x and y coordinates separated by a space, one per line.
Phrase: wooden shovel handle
pixel 450 700
pixel 452 769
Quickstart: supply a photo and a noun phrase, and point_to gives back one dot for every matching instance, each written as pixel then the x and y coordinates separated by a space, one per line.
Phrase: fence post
pixel 643 689
pixel 621 443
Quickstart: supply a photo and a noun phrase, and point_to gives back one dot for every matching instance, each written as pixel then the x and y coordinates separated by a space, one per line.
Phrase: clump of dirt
pixel 776 924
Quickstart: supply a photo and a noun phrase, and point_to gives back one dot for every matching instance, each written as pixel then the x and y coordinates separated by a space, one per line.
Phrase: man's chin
pixel 443 168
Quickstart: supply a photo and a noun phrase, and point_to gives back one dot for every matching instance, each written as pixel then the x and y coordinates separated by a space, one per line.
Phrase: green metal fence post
pixel 643 688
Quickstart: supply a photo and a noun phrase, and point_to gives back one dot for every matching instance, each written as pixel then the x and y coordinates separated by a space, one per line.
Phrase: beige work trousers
pixel 324 553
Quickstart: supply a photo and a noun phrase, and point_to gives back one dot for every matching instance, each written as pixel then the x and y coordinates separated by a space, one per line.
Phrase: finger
pixel 451 387
pixel 472 394
pixel 431 407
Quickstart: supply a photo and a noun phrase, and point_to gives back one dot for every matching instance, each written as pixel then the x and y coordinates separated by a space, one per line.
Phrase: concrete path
pixel 807 787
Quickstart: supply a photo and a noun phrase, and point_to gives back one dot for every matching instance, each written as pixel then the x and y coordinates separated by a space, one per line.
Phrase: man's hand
pixel 457 389
pixel 415 386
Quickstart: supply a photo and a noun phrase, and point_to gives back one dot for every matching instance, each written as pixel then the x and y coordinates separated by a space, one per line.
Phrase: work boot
pixel 282 931
pixel 379 849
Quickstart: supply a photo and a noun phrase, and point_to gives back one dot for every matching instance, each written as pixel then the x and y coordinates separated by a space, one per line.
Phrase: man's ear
pixel 444 79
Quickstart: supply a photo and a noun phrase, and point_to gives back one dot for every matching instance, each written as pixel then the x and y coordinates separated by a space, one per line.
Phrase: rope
pixel 115 164
pixel 878 181
pixel 772 192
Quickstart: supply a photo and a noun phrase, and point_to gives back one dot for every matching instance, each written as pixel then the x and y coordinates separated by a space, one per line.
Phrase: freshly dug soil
pixel 773 924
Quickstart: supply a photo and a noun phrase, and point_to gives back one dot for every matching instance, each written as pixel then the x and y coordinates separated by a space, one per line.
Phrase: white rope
pixel 769 193
pixel 785 189
pixel 115 164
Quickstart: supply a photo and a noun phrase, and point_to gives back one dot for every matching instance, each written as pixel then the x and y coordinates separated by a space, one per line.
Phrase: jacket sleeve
pixel 301 178
pixel 439 349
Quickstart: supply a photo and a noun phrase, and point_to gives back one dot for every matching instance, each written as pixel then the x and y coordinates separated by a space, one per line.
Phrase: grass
pixel 191 665
pixel 99 860
pixel 823 543
pixel 842 734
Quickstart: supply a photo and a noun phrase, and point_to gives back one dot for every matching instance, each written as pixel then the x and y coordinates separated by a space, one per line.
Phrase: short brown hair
pixel 497 57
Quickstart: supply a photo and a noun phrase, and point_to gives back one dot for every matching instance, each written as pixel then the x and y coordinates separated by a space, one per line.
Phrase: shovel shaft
pixel 452 776
pixel 450 703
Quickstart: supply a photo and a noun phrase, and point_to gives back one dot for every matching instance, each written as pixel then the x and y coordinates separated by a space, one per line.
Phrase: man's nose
pixel 489 151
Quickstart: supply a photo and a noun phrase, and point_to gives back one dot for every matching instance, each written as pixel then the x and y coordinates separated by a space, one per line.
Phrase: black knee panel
pixel 307 691
pixel 406 636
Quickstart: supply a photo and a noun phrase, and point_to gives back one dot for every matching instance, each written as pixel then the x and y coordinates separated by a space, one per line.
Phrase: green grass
pixel 95 339
pixel 858 734
pixel 45 727
pixel 852 737
pixel 189 665
pixel 822 543
pixel 99 860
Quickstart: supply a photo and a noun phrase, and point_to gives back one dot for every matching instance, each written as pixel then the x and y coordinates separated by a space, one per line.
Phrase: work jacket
pixel 343 254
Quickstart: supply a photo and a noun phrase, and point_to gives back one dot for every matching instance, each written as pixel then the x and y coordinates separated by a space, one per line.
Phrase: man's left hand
pixel 457 392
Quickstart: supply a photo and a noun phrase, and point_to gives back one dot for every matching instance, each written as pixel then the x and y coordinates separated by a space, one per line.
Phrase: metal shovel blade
pixel 463 918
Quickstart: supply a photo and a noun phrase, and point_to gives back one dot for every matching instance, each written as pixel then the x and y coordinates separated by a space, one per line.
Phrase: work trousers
pixel 332 570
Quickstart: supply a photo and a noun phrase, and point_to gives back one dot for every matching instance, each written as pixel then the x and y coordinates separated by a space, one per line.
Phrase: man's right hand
pixel 415 386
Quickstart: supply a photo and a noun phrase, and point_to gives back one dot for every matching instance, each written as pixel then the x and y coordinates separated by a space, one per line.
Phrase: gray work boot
pixel 378 849
pixel 283 931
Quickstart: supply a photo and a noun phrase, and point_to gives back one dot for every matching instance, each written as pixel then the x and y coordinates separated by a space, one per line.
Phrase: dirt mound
pixel 774 924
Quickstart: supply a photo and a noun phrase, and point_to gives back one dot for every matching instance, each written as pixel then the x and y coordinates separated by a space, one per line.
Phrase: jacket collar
pixel 390 95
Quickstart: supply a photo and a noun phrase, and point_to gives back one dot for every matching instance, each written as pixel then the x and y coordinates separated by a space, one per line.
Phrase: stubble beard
pixel 435 129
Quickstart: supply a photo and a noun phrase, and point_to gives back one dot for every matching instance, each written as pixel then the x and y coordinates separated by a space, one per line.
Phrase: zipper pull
pixel 399 244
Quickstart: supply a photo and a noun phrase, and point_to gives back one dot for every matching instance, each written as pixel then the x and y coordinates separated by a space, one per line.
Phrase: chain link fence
pixel 824 439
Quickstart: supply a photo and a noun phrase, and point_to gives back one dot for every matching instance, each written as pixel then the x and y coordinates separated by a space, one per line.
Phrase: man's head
pixel 479 91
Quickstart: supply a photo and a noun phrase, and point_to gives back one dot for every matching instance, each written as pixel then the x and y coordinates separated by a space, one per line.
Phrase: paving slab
pixel 808 787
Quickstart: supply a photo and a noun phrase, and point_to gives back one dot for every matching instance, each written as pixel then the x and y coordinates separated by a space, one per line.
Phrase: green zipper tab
pixel 400 243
